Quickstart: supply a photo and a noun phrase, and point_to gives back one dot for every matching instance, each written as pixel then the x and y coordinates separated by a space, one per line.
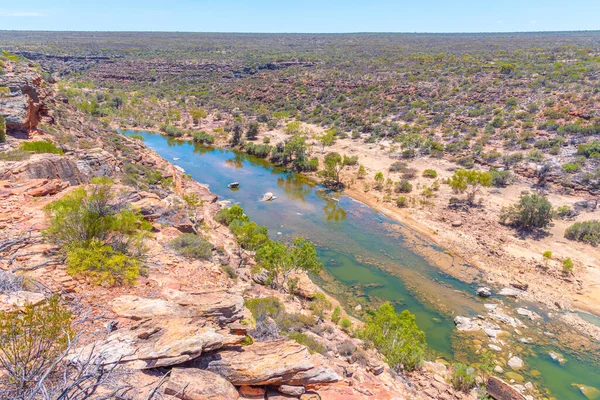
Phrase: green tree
pixel 226 216
pixel 336 315
pixel 327 138
pixel 567 265
pixel 396 336
pixel 2 129
pixel 362 172
pixel 252 132
pixel 249 235
pixel 197 114
pixel 531 211
pixel 547 255
pixel 379 180
pixel 469 181
pixel 334 163
pixel 237 135
pixel 280 260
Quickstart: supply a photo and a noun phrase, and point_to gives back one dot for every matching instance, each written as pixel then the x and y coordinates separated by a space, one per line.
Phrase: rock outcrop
pixel 501 390
pixel 44 166
pixel 196 384
pixel 24 105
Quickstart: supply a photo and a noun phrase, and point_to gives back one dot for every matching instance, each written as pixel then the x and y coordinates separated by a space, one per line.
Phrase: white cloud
pixel 533 22
pixel 499 22
pixel 8 13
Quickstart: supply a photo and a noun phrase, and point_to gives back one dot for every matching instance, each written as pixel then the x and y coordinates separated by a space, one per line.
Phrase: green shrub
pixel 396 336
pixel 346 324
pixel 40 147
pixel 319 305
pixel 271 307
pixel 2 129
pixel 501 178
pixel 532 211
pixel 430 173
pixel 403 186
pixel 402 202
pixel 350 160
pixel 571 168
pixel 397 166
pixel 102 264
pixel 258 150
pixel 312 345
pixel 591 149
pixel 192 246
pixel 249 235
pixel 336 315
pixel 102 180
pixel 31 340
pixel 137 137
pixel 463 378
pixel 586 231
pixel 567 265
pixel 230 271
pixel 226 216
pixel 203 137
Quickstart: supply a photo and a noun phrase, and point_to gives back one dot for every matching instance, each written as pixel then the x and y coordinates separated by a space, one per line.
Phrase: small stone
pixel 253 392
pixel 484 292
pixel 457 223
pixel 292 390
pixel 494 347
pixel 515 362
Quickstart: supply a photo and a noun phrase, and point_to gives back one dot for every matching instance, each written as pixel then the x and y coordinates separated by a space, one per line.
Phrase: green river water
pixel 370 258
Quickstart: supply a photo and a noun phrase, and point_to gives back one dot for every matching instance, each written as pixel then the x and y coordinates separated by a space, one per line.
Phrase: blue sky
pixel 301 16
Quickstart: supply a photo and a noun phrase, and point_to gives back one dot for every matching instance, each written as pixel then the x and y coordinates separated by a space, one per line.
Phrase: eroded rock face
pixel 44 166
pixel 501 390
pixel 19 299
pixel 277 362
pixel 24 105
pixel 197 384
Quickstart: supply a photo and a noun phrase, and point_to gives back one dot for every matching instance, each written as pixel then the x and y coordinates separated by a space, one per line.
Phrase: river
pixel 370 258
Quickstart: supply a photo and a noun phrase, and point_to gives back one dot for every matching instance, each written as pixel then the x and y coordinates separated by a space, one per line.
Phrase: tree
pixel 249 235
pixel 334 163
pixel 197 114
pixel 547 255
pixel 252 132
pixel 567 265
pixel 469 181
pixel 362 172
pixel 293 128
pixel 531 211
pixel 379 179
pixel 2 129
pixel 396 336
pixel 327 138
pixel 280 260
pixel 237 134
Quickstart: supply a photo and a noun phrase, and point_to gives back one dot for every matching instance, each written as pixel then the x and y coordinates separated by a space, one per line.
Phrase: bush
pixel 346 324
pixel 430 173
pixel 396 336
pixel 402 202
pixel 31 340
pixel 102 264
pixel 226 216
pixel 403 186
pixel 397 166
pixel 586 231
pixel 350 160
pixel 2 129
pixel 319 305
pixel 463 377
pixel 336 315
pixel 192 246
pixel 567 265
pixel 203 137
pixel 40 147
pixel 501 178
pixel 264 307
pixel 258 150
pixel 532 211
pixel 137 137
pixel 571 168
pixel 312 345
pixel 591 149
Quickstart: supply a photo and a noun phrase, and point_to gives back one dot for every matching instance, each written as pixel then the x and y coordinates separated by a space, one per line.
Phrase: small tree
pixel 197 114
pixel 252 132
pixel 532 211
pixel 334 163
pixel 280 260
pixel 2 129
pixel 362 172
pixel 547 255
pixel 327 138
pixel 237 134
pixel 379 180
pixel 469 181
pixel 567 265
pixel 396 336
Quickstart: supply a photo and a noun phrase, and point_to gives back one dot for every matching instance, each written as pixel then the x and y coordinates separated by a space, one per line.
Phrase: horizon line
pixel 310 33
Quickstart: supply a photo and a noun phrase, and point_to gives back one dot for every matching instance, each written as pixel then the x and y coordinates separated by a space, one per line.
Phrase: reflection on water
pixel 368 257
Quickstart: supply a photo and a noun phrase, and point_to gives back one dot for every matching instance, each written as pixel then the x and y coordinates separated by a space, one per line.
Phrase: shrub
pixel 2 129
pixel 463 378
pixel 102 264
pixel 403 186
pixel 336 315
pixel 312 345
pixel 350 160
pixel 402 202
pixel 203 137
pixel 192 246
pixel 230 271
pixel 258 150
pixel 319 305
pixel 40 147
pixel 346 324
pixel 501 178
pixel 226 216
pixel 430 173
pixel 591 149
pixel 31 340
pixel 567 265
pixel 264 307
pixel 586 231
pixel 532 211
pixel 137 137
pixel 397 166
pixel 571 168
pixel 470 182
pixel 396 336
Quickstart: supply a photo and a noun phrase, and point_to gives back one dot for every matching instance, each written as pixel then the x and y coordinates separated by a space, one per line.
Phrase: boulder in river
pixel 484 292
pixel 267 197
pixel 233 185
pixel 501 390
pixel 515 362
pixel 588 391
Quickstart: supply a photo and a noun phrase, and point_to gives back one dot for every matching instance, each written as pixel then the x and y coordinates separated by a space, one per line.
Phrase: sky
pixel 323 16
